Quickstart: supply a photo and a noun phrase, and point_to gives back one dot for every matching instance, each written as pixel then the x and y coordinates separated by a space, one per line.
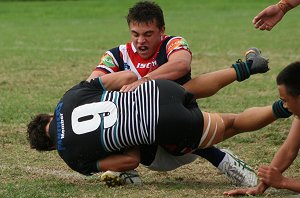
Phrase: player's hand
pixel 271 176
pixel 268 18
pixel 258 190
pixel 243 191
pixel 133 86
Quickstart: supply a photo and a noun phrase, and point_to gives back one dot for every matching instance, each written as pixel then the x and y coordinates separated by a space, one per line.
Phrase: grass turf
pixel 48 46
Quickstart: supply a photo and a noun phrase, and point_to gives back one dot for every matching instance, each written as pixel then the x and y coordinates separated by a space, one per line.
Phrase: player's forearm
pixel 178 65
pixel 294 3
pixel 118 163
pixel 291 184
pixel 115 81
pixel 288 152
pixel 283 158
pixel 169 71
pixel 129 160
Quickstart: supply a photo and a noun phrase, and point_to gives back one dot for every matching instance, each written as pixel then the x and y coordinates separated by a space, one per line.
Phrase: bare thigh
pixel 216 128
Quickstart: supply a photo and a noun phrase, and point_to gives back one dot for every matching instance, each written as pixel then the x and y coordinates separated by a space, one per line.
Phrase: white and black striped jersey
pixel 138 113
pixel 90 123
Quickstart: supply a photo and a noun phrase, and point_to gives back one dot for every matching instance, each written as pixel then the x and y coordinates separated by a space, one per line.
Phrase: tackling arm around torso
pixel 178 65
pixel 128 160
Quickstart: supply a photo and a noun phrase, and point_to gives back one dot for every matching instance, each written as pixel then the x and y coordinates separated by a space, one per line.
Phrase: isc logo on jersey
pixel 147 65
pixel 107 61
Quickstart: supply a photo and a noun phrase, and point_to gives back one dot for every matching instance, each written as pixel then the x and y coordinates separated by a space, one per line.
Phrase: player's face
pixel 47 126
pixel 146 38
pixel 292 103
pixel 47 131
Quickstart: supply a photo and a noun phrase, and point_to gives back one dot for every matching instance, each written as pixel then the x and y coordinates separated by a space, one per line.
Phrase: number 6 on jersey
pixel 87 118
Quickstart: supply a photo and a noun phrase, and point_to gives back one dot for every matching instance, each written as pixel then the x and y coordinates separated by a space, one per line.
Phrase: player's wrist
pixel 285 182
pixel 284 6
pixel 147 78
pixel 262 187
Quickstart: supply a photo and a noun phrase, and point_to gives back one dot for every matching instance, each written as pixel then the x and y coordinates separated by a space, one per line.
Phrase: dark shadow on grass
pixel 191 184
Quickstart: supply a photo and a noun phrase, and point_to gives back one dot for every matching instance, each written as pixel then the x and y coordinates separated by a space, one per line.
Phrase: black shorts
pixel 180 123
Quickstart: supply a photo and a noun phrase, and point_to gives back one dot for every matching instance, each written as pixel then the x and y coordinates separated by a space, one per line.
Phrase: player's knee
pixel 228 120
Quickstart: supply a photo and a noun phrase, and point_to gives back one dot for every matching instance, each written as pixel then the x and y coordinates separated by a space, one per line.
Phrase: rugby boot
pixel 237 170
pixel 254 64
pixel 259 63
pixel 112 178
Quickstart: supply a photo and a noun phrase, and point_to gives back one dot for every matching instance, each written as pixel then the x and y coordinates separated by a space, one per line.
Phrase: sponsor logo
pixel 147 65
pixel 107 61
pixel 60 127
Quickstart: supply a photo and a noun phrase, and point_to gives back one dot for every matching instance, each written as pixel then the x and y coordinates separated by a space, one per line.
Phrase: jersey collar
pixel 133 48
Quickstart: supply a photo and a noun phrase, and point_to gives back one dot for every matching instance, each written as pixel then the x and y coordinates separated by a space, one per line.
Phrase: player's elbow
pixel 95 74
pixel 184 66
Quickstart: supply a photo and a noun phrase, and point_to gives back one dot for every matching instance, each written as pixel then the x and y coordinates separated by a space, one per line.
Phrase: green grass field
pixel 48 46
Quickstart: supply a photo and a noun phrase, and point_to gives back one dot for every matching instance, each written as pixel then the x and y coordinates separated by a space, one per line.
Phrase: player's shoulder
pixel 176 43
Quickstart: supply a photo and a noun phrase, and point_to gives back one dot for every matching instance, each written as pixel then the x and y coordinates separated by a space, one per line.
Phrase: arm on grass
pixel 258 190
pixel 272 175
pixel 287 153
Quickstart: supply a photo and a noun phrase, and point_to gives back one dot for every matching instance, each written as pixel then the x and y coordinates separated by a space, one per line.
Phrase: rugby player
pixel 272 175
pixel 152 54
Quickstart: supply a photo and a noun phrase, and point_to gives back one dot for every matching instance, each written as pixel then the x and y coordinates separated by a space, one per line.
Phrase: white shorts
pixel 165 161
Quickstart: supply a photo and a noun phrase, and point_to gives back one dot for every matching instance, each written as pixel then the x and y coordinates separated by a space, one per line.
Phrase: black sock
pixel 279 110
pixel 242 69
pixel 212 154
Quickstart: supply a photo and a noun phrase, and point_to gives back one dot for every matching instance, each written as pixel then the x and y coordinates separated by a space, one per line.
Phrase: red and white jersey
pixel 125 57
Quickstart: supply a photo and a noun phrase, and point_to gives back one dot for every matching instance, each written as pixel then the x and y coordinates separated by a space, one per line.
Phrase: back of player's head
pixel 290 78
pixel 146 12
pixel 36 133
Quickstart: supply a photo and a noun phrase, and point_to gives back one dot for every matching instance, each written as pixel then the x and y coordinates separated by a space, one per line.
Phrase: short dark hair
pixel 289 77
pixel 146 12
pixel 36 133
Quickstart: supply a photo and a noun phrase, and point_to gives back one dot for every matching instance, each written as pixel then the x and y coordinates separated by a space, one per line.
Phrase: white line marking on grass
pixel 44 171
pixel 51 49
